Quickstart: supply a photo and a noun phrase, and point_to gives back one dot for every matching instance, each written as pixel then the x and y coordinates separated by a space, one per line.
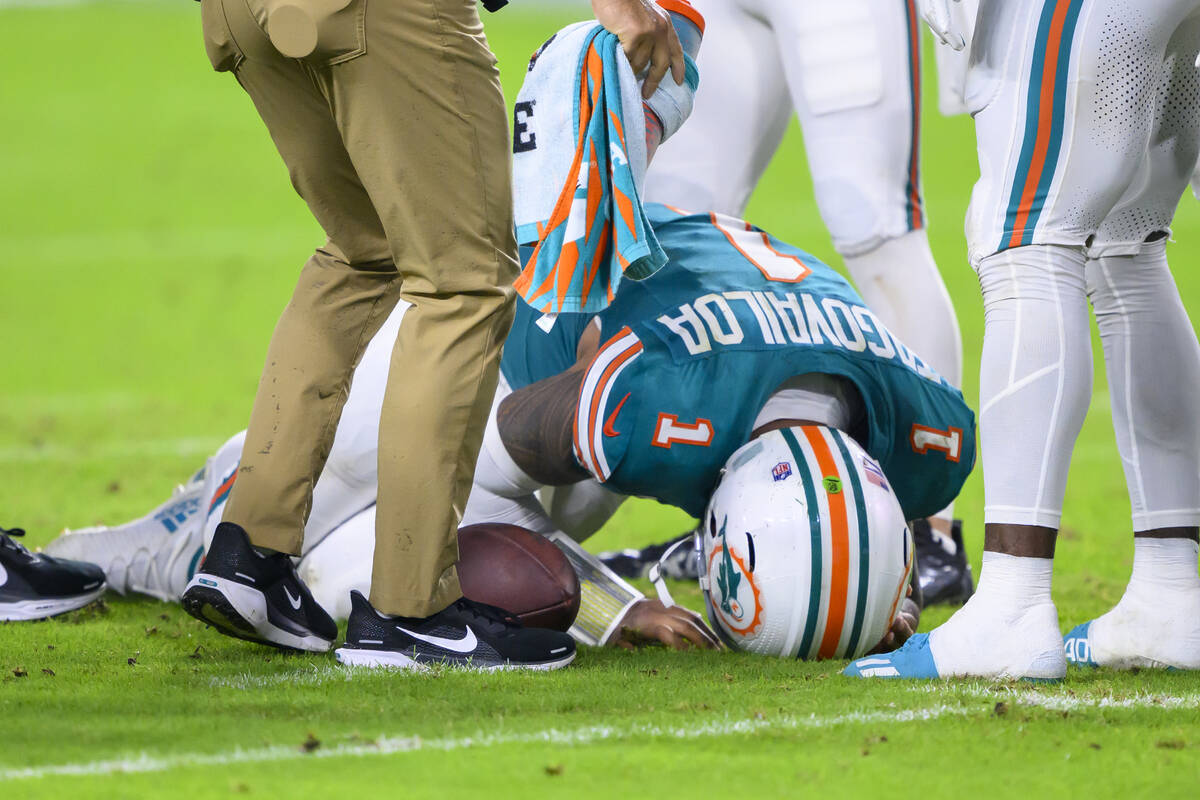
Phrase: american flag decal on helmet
pixel 874 474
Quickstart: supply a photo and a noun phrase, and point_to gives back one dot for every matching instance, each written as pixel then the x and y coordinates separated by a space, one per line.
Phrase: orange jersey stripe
pixel 1045 122
pixel 914 49
pixel 598 393
pixel 839 552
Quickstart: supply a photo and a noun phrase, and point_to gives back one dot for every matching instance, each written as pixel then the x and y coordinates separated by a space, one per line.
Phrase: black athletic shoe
pixel 682 565
pixel 945 575
pixel 465 634
pixel 243 593
pixel 36 586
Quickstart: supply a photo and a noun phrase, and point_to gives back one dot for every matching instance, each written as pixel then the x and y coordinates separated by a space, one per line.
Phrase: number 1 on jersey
pixel 756 247
pixel 671 431
pixel 948 442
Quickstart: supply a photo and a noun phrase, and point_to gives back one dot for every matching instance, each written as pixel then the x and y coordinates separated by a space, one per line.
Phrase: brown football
pixel 519 571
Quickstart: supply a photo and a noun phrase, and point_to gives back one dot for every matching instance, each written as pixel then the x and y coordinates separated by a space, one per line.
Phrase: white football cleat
pixel 155 555
pixel 1161 632
pixel 159 553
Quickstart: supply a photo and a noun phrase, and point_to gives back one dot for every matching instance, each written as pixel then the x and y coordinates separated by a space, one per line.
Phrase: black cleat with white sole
pixel 36 586
pixel 681 565
pixel 256 597
pixel 464 634
pixel 942 565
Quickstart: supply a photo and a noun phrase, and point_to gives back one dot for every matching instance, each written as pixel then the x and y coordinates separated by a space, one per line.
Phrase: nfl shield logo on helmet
pixel 781 471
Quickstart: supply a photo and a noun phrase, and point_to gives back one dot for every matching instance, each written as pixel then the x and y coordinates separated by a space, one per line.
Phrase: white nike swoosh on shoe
pixel 464 645
pixel 3 575
pixel 295 601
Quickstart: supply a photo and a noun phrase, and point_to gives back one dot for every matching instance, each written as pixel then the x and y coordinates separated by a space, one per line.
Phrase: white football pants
pixel 1087 115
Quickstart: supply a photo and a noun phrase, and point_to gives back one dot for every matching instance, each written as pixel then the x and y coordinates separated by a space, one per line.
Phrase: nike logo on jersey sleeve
pixel 609 430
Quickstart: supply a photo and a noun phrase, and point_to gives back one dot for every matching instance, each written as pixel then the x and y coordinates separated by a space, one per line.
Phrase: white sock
pixel 1164 565
pixel 1009 627
pixel 1157 621
pixel 1017 580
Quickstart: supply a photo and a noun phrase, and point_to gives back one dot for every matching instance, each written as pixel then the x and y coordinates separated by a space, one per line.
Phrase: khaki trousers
pixel 390 119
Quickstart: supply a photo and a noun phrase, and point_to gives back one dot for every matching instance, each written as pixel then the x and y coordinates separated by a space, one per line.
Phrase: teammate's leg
pixel 741 112
pixel 1035 384
pixel 1153 362
pixel 858 99
pixel 1051 172
pixel 158 553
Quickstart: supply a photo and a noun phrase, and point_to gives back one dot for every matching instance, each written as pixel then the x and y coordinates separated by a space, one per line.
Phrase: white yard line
pixel 1063 699
pixel 1052 699
pixel 389 745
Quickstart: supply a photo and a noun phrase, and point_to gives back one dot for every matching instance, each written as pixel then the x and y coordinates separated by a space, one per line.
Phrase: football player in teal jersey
pixel 692 355
pixel 739 337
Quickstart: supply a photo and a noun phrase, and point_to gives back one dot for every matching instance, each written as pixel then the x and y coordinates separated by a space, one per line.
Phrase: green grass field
pixel 150 238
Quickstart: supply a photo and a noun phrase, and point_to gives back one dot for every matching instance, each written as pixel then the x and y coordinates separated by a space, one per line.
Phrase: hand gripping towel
pixel 579 164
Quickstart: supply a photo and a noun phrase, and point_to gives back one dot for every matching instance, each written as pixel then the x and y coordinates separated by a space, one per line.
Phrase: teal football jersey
pixel 533 352
pixel 694 351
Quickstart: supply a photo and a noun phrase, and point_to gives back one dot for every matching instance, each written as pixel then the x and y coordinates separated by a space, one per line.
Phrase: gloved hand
pixel 937 16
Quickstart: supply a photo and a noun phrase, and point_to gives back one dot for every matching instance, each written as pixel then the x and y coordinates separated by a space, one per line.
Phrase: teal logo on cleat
pixel 207 582
pixel 1077 646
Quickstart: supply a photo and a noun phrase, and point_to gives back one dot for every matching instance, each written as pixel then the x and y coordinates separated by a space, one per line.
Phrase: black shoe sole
pixel 211 606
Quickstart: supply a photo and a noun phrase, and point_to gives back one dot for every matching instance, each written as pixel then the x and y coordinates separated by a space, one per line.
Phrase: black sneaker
pixel 36 586
pixel 945 574
pixel 243 593
pixel 465 634
pixel 682 565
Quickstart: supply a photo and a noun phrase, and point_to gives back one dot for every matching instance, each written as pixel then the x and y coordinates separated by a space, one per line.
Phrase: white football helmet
pixel 805 551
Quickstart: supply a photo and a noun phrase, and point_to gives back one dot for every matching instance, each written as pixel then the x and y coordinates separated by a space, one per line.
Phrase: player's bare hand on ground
pixel 648 37
pixel 904 626
pixel 650 622
pixel 938 17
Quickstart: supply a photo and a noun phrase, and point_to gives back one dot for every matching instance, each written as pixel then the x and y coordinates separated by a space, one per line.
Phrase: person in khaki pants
pixel 390 119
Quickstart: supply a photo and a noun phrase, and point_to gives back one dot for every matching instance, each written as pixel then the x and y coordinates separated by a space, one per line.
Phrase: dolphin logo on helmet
pixel 728 579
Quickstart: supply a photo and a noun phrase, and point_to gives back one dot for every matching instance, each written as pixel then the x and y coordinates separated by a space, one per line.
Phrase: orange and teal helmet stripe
pixel 839 549
pixel 814 527
pixel 864 542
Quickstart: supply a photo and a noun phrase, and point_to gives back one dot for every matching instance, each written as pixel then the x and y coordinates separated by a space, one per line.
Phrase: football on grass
pixel 519 571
